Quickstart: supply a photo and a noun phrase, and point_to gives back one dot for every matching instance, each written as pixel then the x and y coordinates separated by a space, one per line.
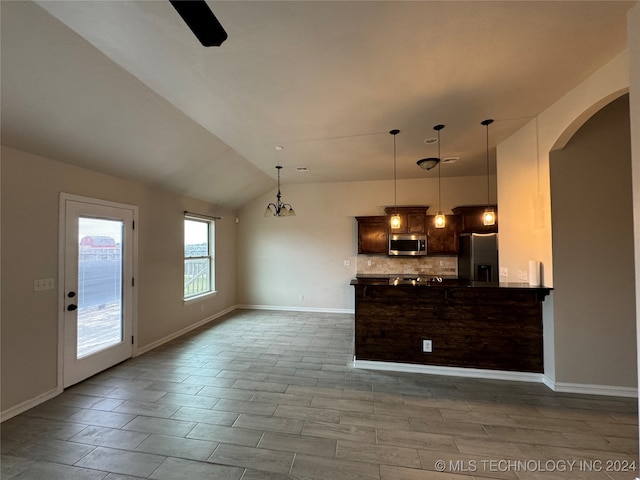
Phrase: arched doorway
pixel 593 252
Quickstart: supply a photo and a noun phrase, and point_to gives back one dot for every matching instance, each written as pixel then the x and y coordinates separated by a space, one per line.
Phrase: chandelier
pixel 279 209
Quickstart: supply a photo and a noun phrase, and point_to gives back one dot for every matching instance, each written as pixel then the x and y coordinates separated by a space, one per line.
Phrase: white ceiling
pixel 125 88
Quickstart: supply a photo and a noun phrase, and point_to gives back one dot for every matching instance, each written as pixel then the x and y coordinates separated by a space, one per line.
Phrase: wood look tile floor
pixel 272 396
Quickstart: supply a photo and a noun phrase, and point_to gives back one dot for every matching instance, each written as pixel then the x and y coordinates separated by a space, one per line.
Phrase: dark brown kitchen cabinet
pixel 472 221
pixel 373 235
pixel 443 241
pixel 412 219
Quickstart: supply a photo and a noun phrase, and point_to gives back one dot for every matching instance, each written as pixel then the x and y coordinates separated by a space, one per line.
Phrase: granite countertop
pixel 405 280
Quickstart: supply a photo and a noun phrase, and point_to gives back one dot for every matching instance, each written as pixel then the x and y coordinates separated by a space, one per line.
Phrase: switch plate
pixel 347 263
pixel 43 284
pixel 427 346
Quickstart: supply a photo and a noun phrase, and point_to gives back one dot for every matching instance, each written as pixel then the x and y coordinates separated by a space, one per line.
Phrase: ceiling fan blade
pixel 201 20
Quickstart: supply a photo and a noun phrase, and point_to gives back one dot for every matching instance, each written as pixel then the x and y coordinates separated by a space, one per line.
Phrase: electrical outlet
pixel 347 263
pixel 368 263
pixel 43 284
pixel 504 272
pixel 301 297
pixel 427 346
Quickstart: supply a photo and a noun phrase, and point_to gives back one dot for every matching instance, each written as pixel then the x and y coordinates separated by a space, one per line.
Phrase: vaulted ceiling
pixel 124 87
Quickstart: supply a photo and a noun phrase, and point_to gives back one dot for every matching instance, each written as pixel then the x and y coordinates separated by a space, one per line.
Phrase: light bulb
pixel 489 217
pixel 395 221
pixel 440 220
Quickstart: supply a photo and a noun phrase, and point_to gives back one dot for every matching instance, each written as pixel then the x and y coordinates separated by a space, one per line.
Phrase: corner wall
pixel 524 197
pixel 524 200
pixel 31 187
pixel 633 40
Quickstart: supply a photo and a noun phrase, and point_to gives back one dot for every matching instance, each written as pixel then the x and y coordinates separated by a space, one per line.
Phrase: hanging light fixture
pixel 439 220
pixel 489 215
pixel 279 209
pixel 428 163
pixel 395 218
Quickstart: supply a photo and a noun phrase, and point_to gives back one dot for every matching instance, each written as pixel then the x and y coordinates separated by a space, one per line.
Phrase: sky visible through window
pixel 100 227
pixel 195 232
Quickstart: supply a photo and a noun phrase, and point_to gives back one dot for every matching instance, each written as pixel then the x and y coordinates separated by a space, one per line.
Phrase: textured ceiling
pixel 125 88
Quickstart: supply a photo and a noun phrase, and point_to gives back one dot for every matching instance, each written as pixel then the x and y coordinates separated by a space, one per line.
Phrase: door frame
pixel 62 222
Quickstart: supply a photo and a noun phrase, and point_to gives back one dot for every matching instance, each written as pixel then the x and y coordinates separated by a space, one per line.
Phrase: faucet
pixel 436 279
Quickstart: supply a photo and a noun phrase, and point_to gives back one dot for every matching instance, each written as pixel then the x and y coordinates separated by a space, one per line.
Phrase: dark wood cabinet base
pixel 488 327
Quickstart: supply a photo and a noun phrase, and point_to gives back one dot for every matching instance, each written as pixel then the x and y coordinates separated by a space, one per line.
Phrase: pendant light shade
pixel 279 209
pixel 440 220
pixel 489 215
pixel 395 222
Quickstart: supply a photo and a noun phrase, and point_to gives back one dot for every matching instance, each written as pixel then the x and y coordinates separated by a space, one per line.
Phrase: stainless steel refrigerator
pixel 478 257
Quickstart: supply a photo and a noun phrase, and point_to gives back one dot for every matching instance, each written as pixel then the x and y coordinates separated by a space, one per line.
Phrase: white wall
pixel 523 167
pixel 281 259
pixel 525 202
pixel 633 40
pixel 31 186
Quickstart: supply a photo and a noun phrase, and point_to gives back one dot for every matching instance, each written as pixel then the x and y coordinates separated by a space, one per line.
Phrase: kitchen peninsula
pixel 482 325
pixel 434 318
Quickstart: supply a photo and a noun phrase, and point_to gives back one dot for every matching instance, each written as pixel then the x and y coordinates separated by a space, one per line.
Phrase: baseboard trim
pixel 296 309
pixel 29 404
pixel 587 389
pixel 450 371
pixel 560 387
pixel 179 333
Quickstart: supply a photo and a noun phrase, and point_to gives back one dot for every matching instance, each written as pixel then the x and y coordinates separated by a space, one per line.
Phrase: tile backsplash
pixel 435 266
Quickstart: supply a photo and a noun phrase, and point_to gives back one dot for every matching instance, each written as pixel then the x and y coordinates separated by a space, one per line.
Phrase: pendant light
pixel 279 209
pixel 489 215
pixel 395 218
pixel 440 219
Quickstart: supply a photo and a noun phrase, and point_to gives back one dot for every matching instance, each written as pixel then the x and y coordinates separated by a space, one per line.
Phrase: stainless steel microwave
pixel 407 244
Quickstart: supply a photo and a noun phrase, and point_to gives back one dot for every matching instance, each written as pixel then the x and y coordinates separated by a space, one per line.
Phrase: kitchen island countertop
pixel 451 282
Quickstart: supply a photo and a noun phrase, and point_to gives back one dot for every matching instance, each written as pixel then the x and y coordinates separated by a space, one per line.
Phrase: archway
pixel 593 251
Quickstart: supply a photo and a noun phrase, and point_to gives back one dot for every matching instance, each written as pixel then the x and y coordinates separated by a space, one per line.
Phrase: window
pixel 198 257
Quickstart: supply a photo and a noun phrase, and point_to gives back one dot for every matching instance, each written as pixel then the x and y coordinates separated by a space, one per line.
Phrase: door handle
pixel 71 294
pixel 72 307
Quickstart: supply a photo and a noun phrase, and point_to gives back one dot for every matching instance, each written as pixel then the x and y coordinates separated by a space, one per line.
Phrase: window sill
pixel 199 298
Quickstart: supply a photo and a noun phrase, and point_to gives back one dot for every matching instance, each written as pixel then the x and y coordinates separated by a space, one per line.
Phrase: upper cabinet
pixel 471 219
pixel 373 232
pixel 373 235
pixel 443 241
pixel 412 219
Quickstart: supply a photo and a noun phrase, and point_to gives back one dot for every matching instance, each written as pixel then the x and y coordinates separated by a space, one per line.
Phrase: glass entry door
pixel 98 288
